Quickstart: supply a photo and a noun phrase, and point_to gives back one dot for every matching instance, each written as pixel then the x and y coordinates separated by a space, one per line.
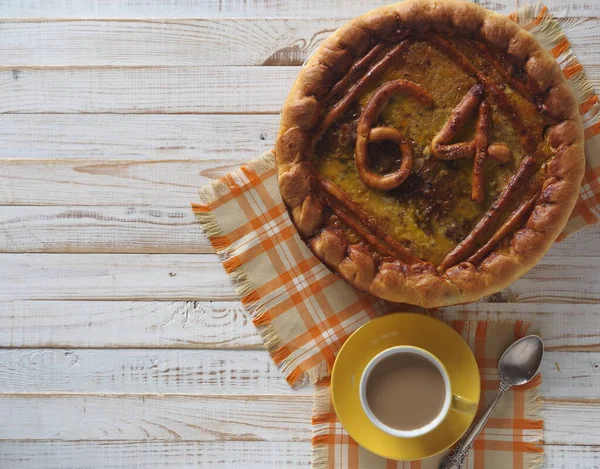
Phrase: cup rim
pixel 400 349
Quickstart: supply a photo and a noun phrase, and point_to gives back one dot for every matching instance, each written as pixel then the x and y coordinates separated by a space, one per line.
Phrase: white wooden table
pixel 122 343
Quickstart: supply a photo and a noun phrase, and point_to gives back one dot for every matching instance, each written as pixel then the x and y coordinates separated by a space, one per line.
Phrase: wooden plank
pixel 132 371
pixel 157 454
pixel 577 244
pixel 156 183
pixel 146 229
pixel 571 457
pixel 196 324
pixel 161 42
pixel 214 8
pixel 256 8
pixel 114 276
pixel 137 136
pixel 571 375
pixel 216 455
pixel 138 90
pixel 558 280
pixel 181 42
pixel 581 423
pixel 148 417
pixel 101 230
pixel 201 277
pixel 215 418
pixel 563 327
pixel 155 90
pixel 144 324
pixel 243 372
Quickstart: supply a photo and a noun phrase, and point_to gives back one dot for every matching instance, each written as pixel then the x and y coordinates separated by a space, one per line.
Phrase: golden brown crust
pixel 330 246
pixel 358 268
pixel 420 282
pixel 336 58
pixel 296 184
pixel 291 145
pixel 308 217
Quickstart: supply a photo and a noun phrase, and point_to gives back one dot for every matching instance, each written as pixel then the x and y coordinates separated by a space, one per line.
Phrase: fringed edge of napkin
pixel 322 409
pixel 534 458
pixel 323 414
pixel 246 174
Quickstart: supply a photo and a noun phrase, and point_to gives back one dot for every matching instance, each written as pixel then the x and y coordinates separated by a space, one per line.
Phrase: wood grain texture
pixel 114 276
pixel 210 325
pixel 213 8
pixel 571 375
pixel 571 457
pixel 137 136
pixel 130 371
pixel 154 183
pixel 163 42
pixel 586 428
pixel 558 280
pixel 307 9
pixel 201 277
pixel 136 90
pixel 162 454
pixel 216 455
pixel 158 229
pixel 164 90
pixel 152 417
pixel 197 42
pixel 143 324
pixel 101 230
pixel 215 418
pixel 564 327
pixel 216 372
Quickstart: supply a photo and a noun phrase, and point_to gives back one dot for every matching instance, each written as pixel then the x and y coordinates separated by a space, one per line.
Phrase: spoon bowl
pixel 521 361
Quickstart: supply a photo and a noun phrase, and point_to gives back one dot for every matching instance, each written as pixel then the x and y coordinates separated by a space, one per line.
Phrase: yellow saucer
pixel 404 329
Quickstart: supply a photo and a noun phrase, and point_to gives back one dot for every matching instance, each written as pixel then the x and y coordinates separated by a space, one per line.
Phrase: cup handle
pixel 463 405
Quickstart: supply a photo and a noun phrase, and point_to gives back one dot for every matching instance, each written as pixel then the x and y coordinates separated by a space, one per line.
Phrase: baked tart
pixel 430 152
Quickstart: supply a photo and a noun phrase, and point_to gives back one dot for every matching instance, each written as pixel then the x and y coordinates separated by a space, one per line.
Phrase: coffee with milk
pixel 405 391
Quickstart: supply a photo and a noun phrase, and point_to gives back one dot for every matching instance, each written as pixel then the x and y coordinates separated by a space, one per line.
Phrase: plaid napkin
pixel 510 439
pixel 305 313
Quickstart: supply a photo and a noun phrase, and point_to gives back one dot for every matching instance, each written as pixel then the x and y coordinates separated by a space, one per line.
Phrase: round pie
pixel 430 152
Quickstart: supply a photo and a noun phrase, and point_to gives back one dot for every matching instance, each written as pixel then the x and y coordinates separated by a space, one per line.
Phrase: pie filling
pixel 421 99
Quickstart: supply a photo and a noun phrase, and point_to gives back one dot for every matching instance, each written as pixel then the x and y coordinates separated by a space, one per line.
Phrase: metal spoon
pixel 518 365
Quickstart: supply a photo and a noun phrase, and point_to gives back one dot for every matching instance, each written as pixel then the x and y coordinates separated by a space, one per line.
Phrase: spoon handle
pixel 456 459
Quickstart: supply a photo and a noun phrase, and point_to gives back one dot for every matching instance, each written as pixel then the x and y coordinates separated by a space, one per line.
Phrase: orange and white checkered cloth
pixel 510 440
pixel 305 313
